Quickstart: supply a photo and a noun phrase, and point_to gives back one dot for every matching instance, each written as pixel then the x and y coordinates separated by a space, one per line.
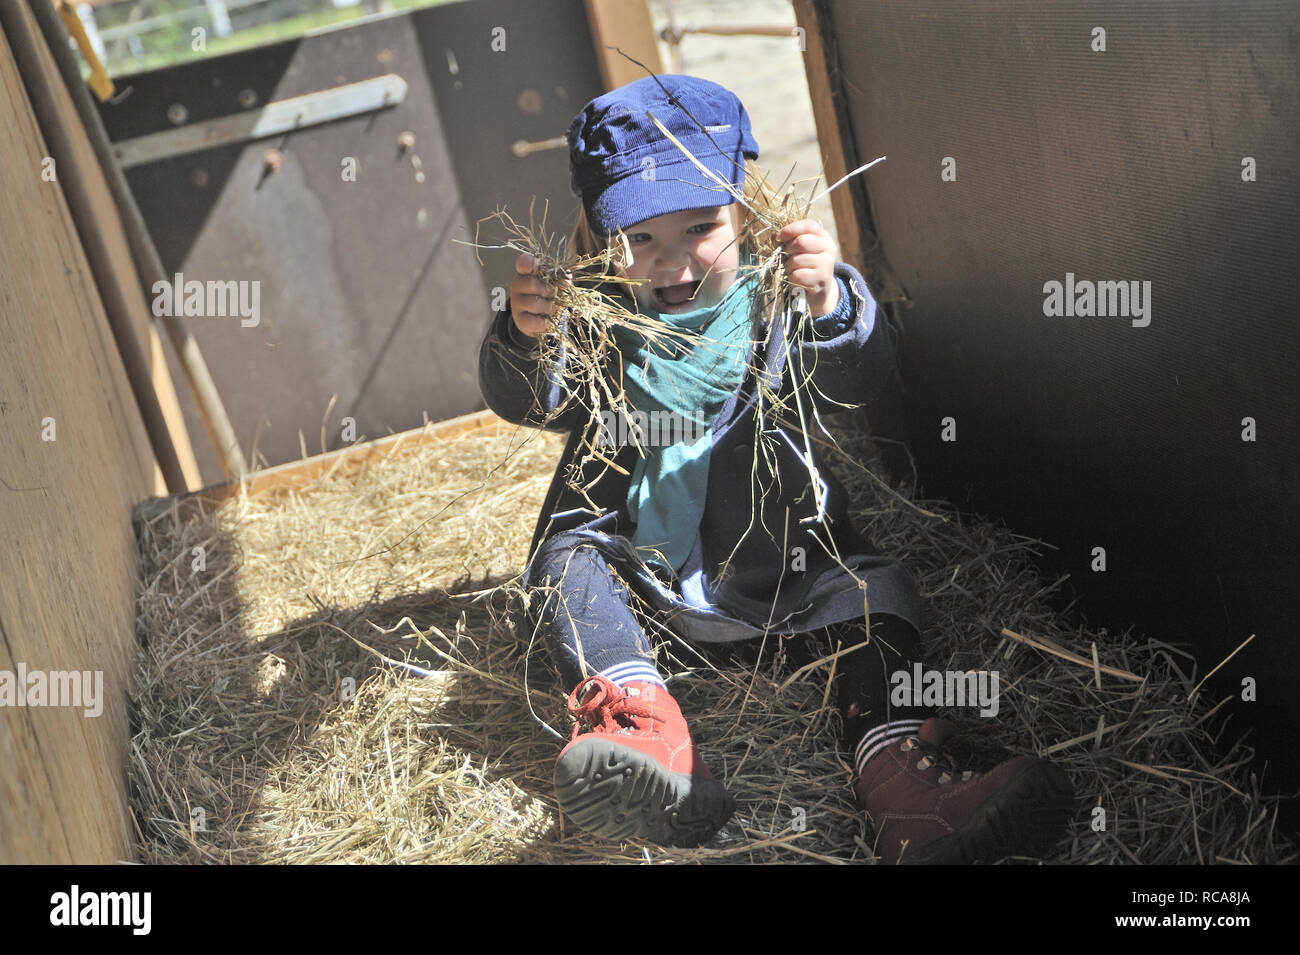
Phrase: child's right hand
pixel 531 306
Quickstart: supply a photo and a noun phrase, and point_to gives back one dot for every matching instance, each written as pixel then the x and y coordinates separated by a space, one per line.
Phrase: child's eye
pixel 637 238
pixel 702 228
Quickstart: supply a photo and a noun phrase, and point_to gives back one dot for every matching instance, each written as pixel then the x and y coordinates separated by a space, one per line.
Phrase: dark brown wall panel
pixel 1117 165
pixel 367 291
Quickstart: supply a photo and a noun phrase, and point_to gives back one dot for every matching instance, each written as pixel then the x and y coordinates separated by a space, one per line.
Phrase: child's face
pixel 684 260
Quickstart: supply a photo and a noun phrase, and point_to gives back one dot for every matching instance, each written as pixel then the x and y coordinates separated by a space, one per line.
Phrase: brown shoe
pixel 928 812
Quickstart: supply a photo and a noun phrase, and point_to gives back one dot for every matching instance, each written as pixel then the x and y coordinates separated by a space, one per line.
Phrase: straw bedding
pixel 248 745
pixel 336 673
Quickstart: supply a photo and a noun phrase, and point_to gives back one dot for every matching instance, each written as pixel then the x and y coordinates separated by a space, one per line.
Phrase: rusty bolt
pixel 406 141
pixel 199 178
pixel 273 160
pixel 529 101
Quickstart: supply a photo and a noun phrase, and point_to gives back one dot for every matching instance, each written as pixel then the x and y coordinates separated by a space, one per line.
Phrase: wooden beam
pixel 148 264
pixel 101 229
pixel 298 474
pixel 625 24
pixel 850 203
pixel 824 93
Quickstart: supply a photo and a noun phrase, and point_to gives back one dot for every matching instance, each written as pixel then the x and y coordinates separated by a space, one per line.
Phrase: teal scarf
pixel 691 381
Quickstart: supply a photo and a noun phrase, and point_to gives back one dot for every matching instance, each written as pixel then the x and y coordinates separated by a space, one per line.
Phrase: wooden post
pixel 855 227
pixel 859 244
pixel 148 263
pixel 625 24
pixel 824 95
pixel 99 228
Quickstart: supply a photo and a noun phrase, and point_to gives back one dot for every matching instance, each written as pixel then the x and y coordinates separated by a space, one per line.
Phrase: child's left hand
pixel 810 258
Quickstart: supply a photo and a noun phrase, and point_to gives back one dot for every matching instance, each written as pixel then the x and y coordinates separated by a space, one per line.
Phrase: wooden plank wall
pixel 68 558
pixel 118 281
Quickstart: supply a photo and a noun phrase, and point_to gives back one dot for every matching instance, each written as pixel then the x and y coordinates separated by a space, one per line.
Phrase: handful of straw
pixel 587 305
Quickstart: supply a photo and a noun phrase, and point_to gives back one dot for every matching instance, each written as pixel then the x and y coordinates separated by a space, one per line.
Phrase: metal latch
pixel 521 147
pixel 281 116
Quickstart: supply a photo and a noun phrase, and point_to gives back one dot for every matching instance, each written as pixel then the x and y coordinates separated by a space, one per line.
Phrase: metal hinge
pixel 272 119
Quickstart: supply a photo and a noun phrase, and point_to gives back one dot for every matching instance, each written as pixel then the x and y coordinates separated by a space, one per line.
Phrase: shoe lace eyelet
pixel 909 744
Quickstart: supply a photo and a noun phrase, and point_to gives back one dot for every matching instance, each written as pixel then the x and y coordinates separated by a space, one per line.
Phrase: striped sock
pixel 630 671
pixel 880 738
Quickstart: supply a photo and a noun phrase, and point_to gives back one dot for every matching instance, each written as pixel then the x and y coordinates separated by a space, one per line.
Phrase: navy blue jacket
pixel 753 516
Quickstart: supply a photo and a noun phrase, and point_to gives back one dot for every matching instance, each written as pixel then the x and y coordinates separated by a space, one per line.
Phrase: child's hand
pixel 530 299
pixel 810 258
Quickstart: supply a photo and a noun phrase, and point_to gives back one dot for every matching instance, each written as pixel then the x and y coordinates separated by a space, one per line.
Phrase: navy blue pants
pixel 582 611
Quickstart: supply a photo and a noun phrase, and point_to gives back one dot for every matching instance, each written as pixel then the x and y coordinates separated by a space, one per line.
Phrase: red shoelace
pixel 606 708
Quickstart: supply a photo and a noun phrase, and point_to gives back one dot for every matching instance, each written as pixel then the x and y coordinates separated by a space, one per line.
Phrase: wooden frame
pixel 627 25
pixel 297 474
pixel 850 203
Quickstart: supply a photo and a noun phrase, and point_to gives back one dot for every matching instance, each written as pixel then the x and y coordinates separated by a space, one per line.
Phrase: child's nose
pixel 678 255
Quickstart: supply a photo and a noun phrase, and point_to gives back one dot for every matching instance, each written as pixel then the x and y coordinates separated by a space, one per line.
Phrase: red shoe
pixel 926 811
pixel 635 774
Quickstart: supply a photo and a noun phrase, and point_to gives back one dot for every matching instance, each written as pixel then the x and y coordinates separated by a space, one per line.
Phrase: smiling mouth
pixel 675 296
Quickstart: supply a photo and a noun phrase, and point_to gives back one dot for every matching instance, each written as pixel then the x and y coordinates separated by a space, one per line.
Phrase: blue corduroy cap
pixel 612 138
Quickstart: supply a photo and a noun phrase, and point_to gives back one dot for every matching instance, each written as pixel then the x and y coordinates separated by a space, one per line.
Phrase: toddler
pixel 737 529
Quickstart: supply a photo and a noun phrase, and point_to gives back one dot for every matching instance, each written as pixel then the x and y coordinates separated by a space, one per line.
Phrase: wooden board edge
pixel 626 24
pixel 860 245
pixel 835 146
pixel 297 474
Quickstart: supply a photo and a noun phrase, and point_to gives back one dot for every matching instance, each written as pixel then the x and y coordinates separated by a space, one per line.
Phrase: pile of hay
pixel 250 746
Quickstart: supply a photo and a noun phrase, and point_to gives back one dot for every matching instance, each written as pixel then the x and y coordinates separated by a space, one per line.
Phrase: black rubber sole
pixel 619 793
pixel 1025 818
